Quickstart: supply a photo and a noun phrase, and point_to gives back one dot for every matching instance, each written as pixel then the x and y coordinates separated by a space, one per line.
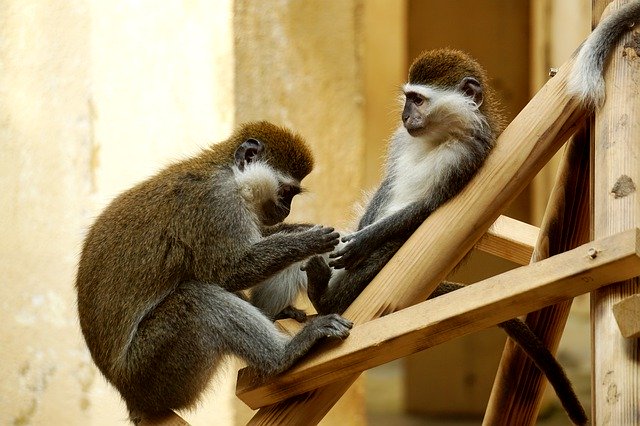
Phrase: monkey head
pixel 268 163
pixel 447 93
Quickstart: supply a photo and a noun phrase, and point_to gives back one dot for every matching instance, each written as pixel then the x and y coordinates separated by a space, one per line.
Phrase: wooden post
pixel 616 158
pixel 519 384
pixel 522 149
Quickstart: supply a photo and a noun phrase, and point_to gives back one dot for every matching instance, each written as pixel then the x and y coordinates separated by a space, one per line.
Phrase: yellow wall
pixel 95 96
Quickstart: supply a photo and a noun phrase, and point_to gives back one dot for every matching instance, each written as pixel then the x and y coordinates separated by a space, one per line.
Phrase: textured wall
pixel 44 174
pixel 94 96
pixel 298 64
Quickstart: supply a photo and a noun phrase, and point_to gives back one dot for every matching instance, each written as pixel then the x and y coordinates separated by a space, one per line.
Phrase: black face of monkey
pixel 274 212
pixel 414 113
pixel 271 191
pixel 441 110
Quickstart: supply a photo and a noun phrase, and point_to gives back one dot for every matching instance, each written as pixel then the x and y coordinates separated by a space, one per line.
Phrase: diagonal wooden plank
pixel 470 309
pixel 445 237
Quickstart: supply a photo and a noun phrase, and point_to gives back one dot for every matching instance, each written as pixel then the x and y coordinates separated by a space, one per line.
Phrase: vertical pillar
pixel 616 159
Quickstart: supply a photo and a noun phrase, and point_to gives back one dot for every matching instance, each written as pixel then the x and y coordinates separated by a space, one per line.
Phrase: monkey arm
pixel 285 227
pixel 398 226
pixel 274 253
pixel 373 206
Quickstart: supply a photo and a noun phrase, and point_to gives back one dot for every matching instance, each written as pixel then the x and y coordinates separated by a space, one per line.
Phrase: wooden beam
pixel 627 313
pixel 414 272
pixel 510 239
pixel 616 370
pixel 470 309
pixel 518 387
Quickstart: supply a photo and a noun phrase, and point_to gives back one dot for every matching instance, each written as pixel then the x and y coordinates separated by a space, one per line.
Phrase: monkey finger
pixel 336 264
pixel 339 253
pixel 334 236
pixel 348 238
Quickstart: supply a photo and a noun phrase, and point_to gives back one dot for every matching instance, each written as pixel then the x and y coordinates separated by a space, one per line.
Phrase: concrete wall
pixel 96 95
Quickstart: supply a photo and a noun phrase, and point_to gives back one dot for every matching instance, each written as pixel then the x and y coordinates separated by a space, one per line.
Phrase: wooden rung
pixel 470 309
pixel 627 314
pixel 510 239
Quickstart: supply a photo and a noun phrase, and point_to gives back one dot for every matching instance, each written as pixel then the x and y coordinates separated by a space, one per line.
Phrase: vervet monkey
pixel 449 125
pixel 162 268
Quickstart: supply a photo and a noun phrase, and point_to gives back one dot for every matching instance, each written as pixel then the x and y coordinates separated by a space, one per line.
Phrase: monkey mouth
pixel 417 131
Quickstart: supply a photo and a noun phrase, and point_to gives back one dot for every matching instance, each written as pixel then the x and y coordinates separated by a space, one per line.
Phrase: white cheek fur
pixel 257 183
pixel 455 111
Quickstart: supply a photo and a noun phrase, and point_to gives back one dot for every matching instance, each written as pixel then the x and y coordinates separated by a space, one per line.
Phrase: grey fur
pixel 586 81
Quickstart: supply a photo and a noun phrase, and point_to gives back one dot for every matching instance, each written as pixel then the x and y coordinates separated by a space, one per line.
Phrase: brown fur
pixel 294 158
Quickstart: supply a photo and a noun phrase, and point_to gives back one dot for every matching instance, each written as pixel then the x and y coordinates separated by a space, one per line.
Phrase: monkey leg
pixel 546 362
pixel 275 296
pixel 334 293
pixel 181 342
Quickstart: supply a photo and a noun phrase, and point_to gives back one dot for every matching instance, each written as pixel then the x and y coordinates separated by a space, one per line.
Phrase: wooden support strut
pixel 519 385
pixel 469 309
pixel 414 272
pixel 509 239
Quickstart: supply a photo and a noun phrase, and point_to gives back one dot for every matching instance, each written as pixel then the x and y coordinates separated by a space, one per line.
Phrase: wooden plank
pixel 412 274
pixel 510 239
pixel 627 313
pixel 518 387
pixel 616 370
pixel 472 308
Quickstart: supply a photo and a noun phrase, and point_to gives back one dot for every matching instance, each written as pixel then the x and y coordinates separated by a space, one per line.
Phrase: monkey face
pixel 274 212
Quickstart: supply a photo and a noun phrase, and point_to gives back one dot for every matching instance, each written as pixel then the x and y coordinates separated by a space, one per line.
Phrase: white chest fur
pixel 421 166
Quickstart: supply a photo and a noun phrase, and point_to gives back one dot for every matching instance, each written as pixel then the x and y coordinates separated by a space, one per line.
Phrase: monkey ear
pixel 248 152
pixel 472 88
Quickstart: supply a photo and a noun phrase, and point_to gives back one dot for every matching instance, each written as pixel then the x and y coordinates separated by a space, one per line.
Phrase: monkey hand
pixel 359 246
pixel 331 326
pixel 319 239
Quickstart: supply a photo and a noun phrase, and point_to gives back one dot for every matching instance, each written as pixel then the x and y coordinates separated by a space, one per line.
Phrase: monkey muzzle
pixel 414 121
pixel 274 213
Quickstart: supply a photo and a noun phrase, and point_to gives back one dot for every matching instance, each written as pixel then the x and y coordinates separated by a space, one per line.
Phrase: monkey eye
pixel 416 98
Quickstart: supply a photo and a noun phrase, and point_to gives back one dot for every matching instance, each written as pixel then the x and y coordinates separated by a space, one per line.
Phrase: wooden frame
pixel 558 273
pixel 523 148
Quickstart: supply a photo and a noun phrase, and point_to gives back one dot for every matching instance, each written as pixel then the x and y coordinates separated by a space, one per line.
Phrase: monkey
pixel 162 268
pixel 449 124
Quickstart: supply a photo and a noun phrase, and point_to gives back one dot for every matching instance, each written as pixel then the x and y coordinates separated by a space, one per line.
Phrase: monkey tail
pixel 586 81
pixel 520 332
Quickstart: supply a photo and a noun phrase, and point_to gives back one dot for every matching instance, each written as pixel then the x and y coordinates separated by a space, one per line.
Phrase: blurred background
pixel 96 95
